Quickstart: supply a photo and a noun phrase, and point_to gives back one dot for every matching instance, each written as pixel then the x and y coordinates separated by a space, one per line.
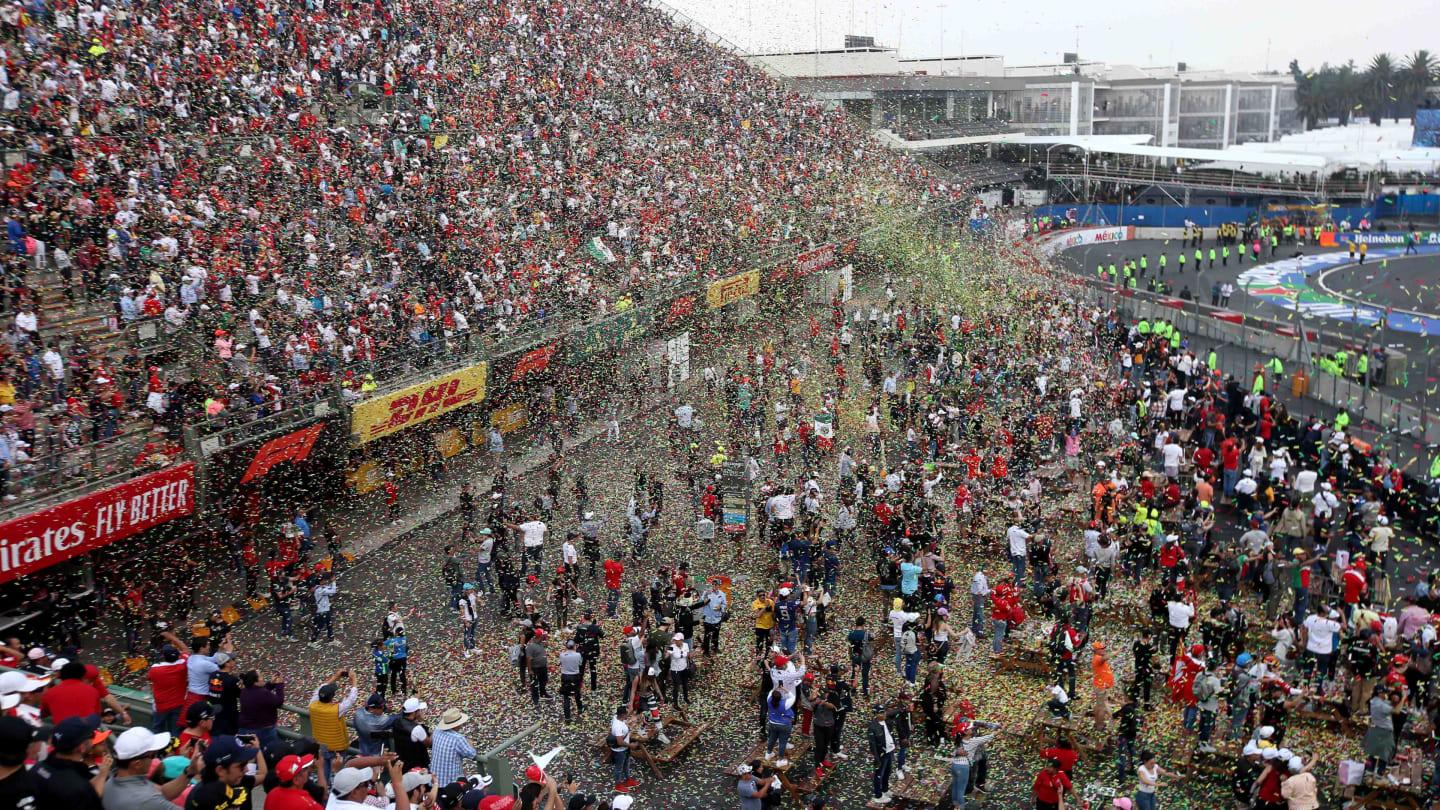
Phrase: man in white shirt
pixel 1175 403
pixel 27 321
pixel 979 591
pixel 679 653
pixel 1305 482
pixel 685 417
pixel 1174 454
pixel 1180 614
pixel 619 740
pixel 1325 503
pixel 1018 539
pixel 533 532
pixel 1320 633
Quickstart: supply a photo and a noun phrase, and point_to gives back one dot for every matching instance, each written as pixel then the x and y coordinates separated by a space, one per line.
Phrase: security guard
pixel 1362 368
pixel 1162 265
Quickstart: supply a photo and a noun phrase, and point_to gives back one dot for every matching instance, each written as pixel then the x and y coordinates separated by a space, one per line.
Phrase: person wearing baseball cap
pixel 350 786
pixel 292 772
pixel 199 722
pixel 539 784
pixel 224 783
pixel 130 786
pixel 64 778
pixel 19 741
pixel 22 693
pixel 448 796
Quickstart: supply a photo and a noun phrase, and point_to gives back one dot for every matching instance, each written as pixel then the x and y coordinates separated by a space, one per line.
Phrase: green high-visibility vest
pixel 1200 257
pixel 1162 259
pixel 1259 385
pixel 1212 254
pixel 1341 420
pixel 1212 360
pixel 1182 259
pixel 1130 280
pixel 1362 364
pixel 1175 339
pixel 1100 270
pixel 1225 251
pixel 1275 366
pixel 1435 468
pixel 1274 240
pixel 1143 264
pixel 1143 327
pixel 1113 272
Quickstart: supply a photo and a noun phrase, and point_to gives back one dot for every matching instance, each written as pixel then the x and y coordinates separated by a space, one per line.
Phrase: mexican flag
pixel 825 425
pixel 600 251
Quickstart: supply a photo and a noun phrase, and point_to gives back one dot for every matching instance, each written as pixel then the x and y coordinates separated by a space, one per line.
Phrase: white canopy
pixel 1243 158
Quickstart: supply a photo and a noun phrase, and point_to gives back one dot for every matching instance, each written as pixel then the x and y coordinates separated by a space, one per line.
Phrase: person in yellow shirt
pixel 7 390
pixel 764 608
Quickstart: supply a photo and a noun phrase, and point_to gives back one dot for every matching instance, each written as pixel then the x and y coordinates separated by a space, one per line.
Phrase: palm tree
pixel 1378 92
pixel 1309 100
pixel 1415 79
pixel 1345 91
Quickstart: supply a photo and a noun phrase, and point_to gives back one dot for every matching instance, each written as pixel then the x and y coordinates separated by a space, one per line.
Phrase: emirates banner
pixel 36 541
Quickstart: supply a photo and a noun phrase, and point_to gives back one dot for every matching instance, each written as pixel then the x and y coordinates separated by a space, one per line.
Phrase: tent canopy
pixel 1138 145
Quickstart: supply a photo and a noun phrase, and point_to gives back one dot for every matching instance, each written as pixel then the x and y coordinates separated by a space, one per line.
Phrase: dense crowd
pixel 312 193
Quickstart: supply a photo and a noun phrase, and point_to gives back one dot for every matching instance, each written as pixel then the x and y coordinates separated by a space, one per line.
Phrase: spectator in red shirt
pixel 1230 461
pixel 72 697
pixel 613 571
pixel 168 680
pixel 1064 753
pixel 1050 784
pixel 199 719
pixel 1204 459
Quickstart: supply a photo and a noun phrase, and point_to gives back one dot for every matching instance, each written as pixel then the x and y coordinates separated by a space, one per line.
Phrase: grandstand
pixel 260 232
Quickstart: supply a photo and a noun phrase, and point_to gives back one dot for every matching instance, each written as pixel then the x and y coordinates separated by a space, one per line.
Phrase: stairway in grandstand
pixel 66 320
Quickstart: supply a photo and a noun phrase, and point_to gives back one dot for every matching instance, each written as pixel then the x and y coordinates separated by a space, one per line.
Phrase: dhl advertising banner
pixel 419 403
pixel 732 289
pixel 39 540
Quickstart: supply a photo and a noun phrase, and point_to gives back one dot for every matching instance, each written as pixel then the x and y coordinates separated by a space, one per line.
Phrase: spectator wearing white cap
pixel 130 787
pixel 350 786
pixel 1299 788
pixel 22 693
pixel 1379 540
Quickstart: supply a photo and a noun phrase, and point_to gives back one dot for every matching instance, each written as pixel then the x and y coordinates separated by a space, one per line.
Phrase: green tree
pixel 1378 90
pixel 1418 74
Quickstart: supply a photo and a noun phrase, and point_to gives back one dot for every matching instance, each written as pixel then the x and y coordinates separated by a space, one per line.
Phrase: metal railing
pixel 1404 429
pixel 63 473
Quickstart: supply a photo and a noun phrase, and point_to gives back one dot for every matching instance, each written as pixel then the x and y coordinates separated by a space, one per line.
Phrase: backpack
pixel 1057 642
pixel 627 654
pixel 1206 687
pixel 866 648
